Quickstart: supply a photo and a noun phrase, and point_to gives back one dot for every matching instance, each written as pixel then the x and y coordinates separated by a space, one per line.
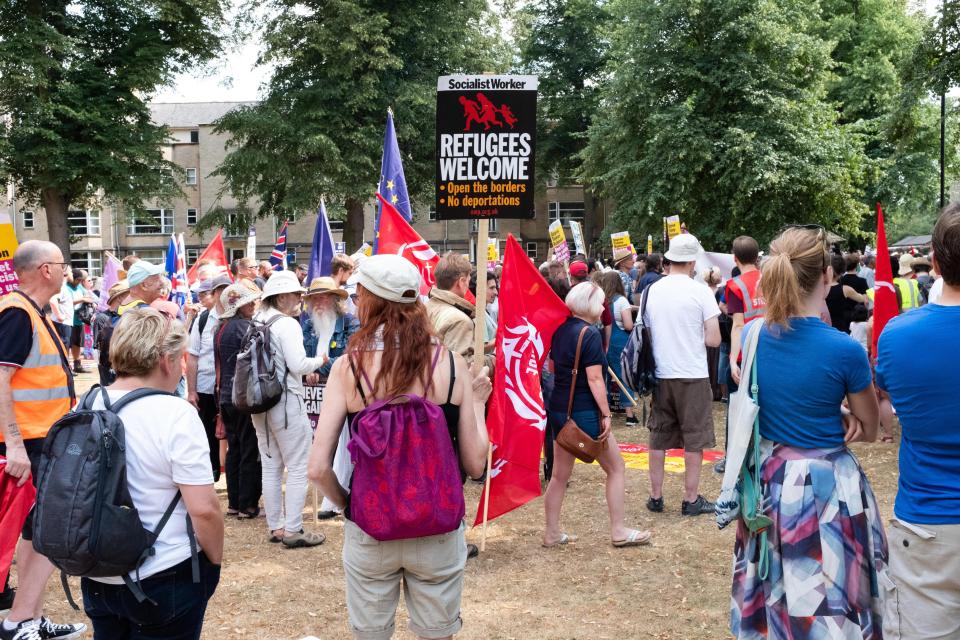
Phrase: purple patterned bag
pixel 406 476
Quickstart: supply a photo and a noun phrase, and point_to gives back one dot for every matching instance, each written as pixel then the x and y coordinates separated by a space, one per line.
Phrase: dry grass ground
pixel 676 589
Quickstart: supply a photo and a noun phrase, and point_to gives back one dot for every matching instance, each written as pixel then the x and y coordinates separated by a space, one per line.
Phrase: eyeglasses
pixel 63 265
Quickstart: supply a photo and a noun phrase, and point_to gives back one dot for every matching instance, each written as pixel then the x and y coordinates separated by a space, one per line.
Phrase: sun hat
pixel 578 269
pixel 921 262
pixel 621 254
pixel 118 289
pixel 325 284
pixel 282 282
pixel 234 297
pixel 906 265
pixel 390 277
pixel 141 270
pixel 683 248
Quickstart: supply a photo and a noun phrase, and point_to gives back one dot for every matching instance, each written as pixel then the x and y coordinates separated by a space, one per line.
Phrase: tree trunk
pixel 56 205
pixel 353 225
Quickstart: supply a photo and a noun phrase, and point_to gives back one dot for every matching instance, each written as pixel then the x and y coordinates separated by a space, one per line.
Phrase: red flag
pixel 884 296
pixel 529 314
pixel 397 236
pixel 15 504
pixel 216 253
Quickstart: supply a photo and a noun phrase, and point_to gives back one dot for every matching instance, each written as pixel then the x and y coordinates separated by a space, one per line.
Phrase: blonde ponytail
pixel 798 259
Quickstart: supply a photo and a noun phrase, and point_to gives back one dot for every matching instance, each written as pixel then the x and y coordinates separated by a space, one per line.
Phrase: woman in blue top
pixel 622 312
pixel 826 544
pixel 591 413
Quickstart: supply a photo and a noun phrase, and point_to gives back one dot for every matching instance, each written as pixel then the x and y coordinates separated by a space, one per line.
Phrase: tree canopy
pixel 338 66
pixel 76 77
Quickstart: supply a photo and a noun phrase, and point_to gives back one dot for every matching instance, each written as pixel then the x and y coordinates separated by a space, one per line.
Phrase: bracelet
pixel 603 417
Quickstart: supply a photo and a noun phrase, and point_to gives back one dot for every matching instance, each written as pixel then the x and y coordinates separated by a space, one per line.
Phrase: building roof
pixel 191 114
pixel 913 241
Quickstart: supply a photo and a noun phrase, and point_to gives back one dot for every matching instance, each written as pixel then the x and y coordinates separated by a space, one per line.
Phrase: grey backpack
pixel 84 520
pixel 257 383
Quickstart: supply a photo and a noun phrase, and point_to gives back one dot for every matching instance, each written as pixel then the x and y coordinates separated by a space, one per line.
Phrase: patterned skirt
pixel 826 547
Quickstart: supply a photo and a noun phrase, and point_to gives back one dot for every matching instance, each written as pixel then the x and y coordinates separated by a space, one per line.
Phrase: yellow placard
pixel 649 244
pixel 8 246
pixel 557 236
pixel 673 226
pixel 493 250
pixel 620 240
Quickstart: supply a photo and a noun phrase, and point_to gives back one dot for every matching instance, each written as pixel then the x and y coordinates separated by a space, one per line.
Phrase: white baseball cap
pixel 141 270
pixel 390 277
pixel 683 248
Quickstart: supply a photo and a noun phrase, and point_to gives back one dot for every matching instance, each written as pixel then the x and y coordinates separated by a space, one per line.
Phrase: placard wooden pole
pixel 622 388
pixel 479 341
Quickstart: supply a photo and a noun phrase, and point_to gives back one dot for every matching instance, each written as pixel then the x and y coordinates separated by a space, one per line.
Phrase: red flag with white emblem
pixel 398 237
pixel 884 296
pixel 529 314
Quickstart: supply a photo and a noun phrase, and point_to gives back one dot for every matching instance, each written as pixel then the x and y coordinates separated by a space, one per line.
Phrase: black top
pixel 859 285
pixel 226 346
pixel 15 326
pixel 836 304
pixel 563 350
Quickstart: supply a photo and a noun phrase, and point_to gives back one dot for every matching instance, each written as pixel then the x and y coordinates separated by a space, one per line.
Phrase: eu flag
pixel 393 186
pixel 321 253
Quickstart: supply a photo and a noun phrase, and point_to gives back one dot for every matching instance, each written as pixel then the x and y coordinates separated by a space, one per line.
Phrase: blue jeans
pixel 177 614
pixel 588 421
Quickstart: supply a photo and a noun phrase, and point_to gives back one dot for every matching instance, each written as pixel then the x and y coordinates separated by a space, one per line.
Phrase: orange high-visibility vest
pixel 43 387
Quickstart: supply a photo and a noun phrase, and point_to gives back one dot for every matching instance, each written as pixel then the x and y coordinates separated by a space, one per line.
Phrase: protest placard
pixel 558 240
pixel 8 246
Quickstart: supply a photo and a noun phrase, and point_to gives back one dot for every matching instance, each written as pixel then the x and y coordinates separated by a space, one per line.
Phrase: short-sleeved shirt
pixel 916 364
pixel 619 304
pixel 64 302
pixel 201 347
pixel 648 279
pixel 15 326
pixel 166 446
pixel 803 374
pixel 627 284
pixel 837 306
pixel 677 307
pixel 563 350
pixel 77 292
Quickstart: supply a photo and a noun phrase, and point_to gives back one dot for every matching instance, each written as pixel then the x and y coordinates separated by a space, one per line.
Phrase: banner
pixel 312 398
pixel 649 244
pixel 529 314
pixel 559 241
pixel 339 247
pixel 486 134
pixel 620 241
pixel 111 275
pixel 493 253
pixel 251 251
pixel 8 246
pixel 321 250
pixel 673 227
pixel 577 233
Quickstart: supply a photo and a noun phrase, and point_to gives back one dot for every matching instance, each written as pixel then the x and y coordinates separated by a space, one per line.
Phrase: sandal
pixel 299 540
pixel 634 539
pixel 248 515
pixel 887 439
pixel 563 540
pixel 233 512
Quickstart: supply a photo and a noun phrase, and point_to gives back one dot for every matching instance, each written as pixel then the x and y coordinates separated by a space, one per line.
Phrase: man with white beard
pixel 326 329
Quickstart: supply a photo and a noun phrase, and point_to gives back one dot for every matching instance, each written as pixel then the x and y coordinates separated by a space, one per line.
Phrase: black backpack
pixel 84 520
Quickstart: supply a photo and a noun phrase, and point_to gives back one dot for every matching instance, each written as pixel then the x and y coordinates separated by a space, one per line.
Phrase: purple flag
pixel 111 275
pixel 321 253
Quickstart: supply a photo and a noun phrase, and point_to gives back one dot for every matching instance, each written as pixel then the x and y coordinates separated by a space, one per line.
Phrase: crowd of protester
pixel 822 568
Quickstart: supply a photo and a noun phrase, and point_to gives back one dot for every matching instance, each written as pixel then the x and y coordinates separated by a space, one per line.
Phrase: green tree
pixel 338 66
pixel 565 43
pixel 716 110
pixel 76 75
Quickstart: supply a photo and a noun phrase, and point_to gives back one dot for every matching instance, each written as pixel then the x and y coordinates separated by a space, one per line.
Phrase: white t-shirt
pixel 202 348
pixel 936 292
pixel 619 305
pixel 166 447
pixel 677 307
pixel 64 302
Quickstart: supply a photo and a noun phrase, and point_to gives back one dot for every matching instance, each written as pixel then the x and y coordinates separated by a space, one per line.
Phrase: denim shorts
pixel 588 421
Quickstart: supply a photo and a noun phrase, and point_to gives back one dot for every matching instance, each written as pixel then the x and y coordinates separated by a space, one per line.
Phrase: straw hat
pixel 119 288
pixel 324 285
pixel 234 297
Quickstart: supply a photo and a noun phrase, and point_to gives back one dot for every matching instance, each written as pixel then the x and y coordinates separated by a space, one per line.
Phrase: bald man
pixel 30 350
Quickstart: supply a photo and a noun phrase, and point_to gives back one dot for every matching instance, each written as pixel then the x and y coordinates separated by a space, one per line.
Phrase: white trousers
pixel 342 466
pixel 284 447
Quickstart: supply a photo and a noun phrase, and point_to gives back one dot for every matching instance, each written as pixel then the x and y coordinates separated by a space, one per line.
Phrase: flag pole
pixel 479 340
pixel 622 387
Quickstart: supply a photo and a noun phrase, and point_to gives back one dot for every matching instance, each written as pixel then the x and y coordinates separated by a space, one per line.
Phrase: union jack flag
pixel 278 258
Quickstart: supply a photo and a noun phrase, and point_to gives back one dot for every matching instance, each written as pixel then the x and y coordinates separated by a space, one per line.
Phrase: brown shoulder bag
pixel 571 437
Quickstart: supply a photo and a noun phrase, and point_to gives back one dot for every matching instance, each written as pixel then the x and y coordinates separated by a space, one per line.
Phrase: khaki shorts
pixel 682 415
pixel 922 586
pixel 431 570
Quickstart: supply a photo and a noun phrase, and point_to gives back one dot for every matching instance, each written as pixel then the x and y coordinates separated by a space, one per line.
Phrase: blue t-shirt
pixel 803 375
pixel 563 349
pixel 916 364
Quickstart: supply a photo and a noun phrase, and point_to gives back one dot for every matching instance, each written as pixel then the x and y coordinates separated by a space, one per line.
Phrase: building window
pixel 475 225
pixel 192 256
pixel 566 211
pixel 191 216
pixel 194 137
pixel 84 223
pixel 153 256
pixel 27 219
pixel 236 254
pixel 336 226
pixel 532 250
pixel 235 227
pixel 86 260
pixel 151 221
pixel 291 255
pixel 191 176
pixel 432 214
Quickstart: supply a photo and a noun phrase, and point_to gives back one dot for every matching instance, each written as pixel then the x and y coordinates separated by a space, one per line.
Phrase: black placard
pixel 486 141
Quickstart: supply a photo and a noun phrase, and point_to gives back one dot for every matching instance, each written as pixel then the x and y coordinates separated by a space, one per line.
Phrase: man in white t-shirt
pixel 683 319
